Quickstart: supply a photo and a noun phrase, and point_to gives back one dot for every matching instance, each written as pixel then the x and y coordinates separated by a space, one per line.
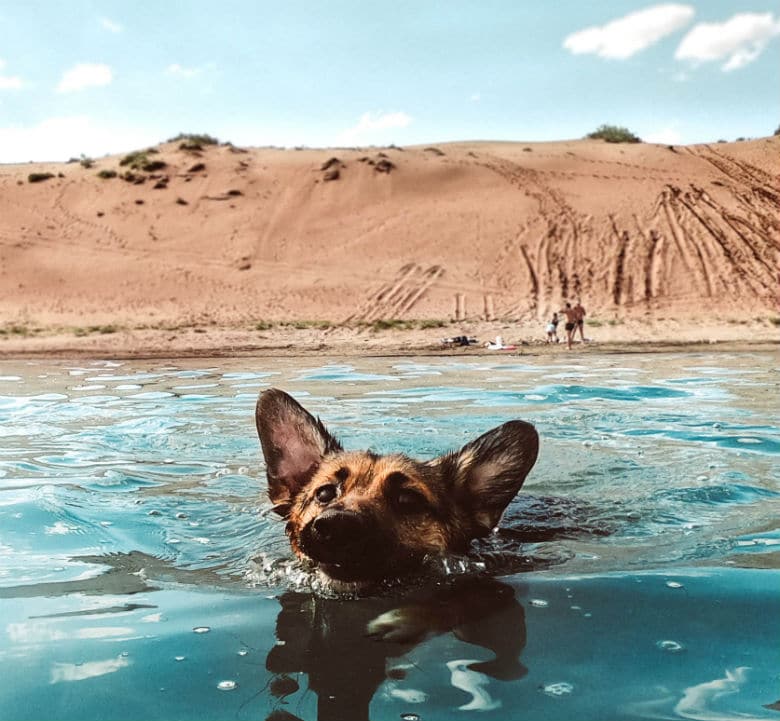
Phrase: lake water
pixel 142 575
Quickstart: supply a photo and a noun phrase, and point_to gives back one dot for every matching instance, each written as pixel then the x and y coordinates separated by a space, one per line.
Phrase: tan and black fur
pixel 360 517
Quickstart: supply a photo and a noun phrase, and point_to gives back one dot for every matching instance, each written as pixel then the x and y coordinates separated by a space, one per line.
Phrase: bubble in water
pixel 409 717
pixel 181 515
pixel 154 512
pixel 179 658
pixel 670 646
pixel 674 584
pixel 557 689
pixel 243 470
pixel 201 629
pixel 539 603
pixel 243 652
pixel 227 685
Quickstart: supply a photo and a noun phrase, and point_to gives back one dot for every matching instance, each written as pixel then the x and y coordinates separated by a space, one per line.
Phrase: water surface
pixel 142 574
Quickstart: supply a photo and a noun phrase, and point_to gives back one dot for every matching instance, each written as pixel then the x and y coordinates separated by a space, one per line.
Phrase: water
pixel 142 574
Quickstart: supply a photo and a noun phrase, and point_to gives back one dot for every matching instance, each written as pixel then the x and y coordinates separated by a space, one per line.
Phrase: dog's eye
pixel 325 494
pixel 410 501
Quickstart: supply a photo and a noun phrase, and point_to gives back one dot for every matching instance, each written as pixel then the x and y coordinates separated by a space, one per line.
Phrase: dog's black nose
pixel 340 528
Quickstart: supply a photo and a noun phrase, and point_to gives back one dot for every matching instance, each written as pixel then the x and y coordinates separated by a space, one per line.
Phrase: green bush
pixel 151 166
pixel 194 139
pixel 139 160
pixel 614 134
pixel 85 161
pixel 777 132
pixel 39 177
pixel 135 160
pixel 107 174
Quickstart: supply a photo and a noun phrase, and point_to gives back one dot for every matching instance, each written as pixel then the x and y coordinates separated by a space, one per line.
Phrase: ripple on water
pixel 670 646
pixel 560 688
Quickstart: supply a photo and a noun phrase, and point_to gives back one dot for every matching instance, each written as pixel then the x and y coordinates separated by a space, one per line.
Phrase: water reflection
pixel 344 646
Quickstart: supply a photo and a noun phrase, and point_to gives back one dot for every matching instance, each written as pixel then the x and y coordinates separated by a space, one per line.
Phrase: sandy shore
pixel 291 341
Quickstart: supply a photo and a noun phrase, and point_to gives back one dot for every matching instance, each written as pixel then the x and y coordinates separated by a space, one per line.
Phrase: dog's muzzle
pixel 346 544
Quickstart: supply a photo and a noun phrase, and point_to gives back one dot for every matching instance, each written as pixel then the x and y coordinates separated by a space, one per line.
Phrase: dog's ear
pixel 294 443
pixel 489 471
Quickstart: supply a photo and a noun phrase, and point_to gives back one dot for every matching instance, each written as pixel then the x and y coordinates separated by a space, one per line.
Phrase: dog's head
pixel 362 517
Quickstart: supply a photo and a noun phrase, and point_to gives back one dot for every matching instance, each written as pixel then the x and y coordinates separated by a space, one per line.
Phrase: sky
pixel 110 76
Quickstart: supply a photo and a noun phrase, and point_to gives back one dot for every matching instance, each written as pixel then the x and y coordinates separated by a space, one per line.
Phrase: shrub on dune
pixel 614 134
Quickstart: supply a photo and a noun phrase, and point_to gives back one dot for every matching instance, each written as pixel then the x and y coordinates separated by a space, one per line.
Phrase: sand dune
pixel 503 230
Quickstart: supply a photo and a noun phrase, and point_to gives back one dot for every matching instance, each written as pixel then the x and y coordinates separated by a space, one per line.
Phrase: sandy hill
pixel 509 230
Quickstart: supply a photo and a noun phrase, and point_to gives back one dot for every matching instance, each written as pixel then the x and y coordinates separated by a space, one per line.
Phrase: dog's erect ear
pixel 489 471
pixel 294 443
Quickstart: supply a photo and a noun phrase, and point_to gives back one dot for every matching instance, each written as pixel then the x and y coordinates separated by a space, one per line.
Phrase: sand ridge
pixel 474 230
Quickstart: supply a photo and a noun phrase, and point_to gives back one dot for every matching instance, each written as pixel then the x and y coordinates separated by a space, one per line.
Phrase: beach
pixel 291 341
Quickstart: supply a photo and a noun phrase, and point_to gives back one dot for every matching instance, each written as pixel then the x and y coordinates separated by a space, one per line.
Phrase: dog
pixel 360 518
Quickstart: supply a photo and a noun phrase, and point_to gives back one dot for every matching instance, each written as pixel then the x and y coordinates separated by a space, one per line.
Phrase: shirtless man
pixel 571 322
pixel 579 320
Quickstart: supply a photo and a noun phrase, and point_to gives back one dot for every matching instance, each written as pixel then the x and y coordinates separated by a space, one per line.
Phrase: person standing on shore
pixel 571 322
pixel 552 329
pixel 579 316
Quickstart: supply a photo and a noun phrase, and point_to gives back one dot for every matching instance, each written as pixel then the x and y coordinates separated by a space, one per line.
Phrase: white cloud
pixel 110 25
pixel 664 136
pixel 626 36
pixel 84 75
pixel 475 97
pixel 9 82
pixel 180 71
pixel 370 126
pixel 60 138
pixel 739 40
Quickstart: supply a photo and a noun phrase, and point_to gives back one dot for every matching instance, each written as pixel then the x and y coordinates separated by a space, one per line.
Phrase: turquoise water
pixel 142 574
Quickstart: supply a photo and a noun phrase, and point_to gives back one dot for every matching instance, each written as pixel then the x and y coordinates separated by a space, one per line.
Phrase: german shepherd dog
pixel 360 518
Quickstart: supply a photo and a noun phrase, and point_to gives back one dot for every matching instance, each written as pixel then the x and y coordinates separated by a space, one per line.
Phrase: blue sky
pixel 97 77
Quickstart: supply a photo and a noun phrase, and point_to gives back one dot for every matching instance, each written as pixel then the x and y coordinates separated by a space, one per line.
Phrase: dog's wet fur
pixel 361 518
